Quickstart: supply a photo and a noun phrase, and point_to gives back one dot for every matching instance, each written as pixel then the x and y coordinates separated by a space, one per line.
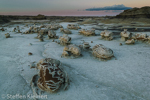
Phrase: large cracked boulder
pixel 107 35
pixel 102 52
pixel 52 34
pixel 44 31
pixel 36 29
pixel 140 36
pixel 65 39
pixel 130 41
pixel 32 29
pixel 71 50
pixel 66 31
pixel 125 35
pixel 28 31
pixel 87 32
pixel 73 26
pixel 40 37
pixel 54 26
pixel 51 76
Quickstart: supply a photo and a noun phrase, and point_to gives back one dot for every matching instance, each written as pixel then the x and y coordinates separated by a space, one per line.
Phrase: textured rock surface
pixel 131 41
pixel 106 35
pixel 52 75
pixel 87 32
pixel 65 39
pixel 51 34
pixel 7 35
pixel 71 50
pixel 66 31
pixel 100 51
pixel 125 35
pixel 143 12
pixel 140 36
pixel 73 26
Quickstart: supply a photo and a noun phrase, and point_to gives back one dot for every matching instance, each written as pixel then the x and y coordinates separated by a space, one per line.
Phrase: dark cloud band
pixel 114 7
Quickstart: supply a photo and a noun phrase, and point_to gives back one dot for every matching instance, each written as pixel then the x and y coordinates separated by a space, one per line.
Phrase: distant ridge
pixel 3 20
pixel 143 12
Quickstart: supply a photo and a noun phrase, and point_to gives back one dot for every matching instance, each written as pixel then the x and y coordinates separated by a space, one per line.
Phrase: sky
pixel 68 7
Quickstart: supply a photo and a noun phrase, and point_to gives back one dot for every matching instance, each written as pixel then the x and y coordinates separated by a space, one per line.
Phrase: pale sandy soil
pixel 124 78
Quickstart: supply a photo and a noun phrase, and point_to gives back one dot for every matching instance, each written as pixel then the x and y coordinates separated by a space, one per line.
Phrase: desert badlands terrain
pixel 86 73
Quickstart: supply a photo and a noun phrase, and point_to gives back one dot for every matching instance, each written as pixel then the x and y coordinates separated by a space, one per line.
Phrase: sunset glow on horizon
pixel 65 7
pixel 67 13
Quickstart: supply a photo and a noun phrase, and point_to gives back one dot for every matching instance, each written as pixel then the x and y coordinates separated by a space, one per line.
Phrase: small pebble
pixel 91 41
pixel 2 29
pixel 120 44
pixel 19 31
pixel 29 53
pixel 7 35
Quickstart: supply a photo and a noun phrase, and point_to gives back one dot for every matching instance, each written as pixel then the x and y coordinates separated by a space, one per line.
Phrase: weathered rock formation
pixel 143 12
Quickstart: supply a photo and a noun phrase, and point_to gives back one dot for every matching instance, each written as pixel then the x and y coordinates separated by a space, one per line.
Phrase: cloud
pixel 114 7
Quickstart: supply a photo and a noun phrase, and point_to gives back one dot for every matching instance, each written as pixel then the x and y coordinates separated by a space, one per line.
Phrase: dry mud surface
pixel 124 78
